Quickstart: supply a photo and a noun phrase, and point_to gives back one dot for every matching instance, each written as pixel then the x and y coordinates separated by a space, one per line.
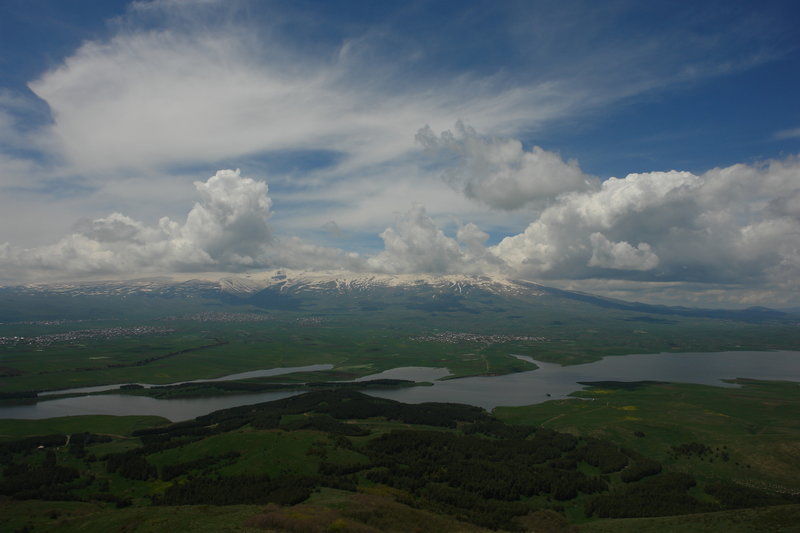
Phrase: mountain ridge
pixel 283 287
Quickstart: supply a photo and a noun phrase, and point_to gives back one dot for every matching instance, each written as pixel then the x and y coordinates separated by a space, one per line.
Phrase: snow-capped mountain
pixel 330 291
pixel 344 283
pixel 287 282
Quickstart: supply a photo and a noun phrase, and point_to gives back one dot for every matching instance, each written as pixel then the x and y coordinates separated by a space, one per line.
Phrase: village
pixel 451 337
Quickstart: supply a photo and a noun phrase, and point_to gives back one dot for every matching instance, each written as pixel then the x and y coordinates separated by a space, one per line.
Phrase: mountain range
pixel 329 291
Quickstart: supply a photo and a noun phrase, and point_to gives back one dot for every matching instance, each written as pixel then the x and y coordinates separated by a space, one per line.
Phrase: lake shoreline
pixel 549 381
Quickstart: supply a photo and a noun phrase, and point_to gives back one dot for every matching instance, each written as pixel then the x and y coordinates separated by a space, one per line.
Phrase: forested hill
pixel 418 466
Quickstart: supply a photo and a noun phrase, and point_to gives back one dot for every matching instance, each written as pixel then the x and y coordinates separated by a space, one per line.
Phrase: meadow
pixel 219 340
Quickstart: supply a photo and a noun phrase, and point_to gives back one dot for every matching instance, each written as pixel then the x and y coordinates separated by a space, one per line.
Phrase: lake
pixel 549 381
pixel 241 375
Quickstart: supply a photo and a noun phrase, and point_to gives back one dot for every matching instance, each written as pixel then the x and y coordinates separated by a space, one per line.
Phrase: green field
pixel 757 426
pixel 358 343
pixel 11 429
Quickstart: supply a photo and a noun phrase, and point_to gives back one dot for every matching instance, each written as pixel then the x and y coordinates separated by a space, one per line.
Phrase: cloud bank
pixel 738 226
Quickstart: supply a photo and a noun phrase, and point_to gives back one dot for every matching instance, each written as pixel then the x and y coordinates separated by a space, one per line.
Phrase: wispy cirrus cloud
pixel 792 133
pixel 199 82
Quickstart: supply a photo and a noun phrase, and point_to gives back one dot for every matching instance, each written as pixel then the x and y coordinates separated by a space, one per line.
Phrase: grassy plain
pixel 358 343
pixel 11 429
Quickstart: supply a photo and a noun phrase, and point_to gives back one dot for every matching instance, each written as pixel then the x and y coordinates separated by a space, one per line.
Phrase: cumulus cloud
pixel 734 232
pixel 735 225
pixel 621 255
pixel 417 245
pixel 499 171
pixel 230 221
pixel 226 230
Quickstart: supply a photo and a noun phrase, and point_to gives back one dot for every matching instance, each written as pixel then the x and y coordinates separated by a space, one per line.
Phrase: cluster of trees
pixel 640 468
pixel 479 479
pixel 661 495
pixel 606 456
pixel 48 481
pixel 698 449
pixel 689 449
pixel 7 449
pixel 78 442
pixel 148 360
pixel 172 471
pixel 733 496
pixel 326 424
pixel 346 404
pixel 131 465
pixel 21 395
pixel 218 388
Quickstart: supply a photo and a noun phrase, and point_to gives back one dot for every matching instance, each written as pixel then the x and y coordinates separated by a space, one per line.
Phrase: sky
pixel 640 150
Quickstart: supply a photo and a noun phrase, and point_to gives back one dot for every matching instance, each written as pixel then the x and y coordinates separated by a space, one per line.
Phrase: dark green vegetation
pixel 749 435
pixel 343 461
pixel 114 425
pixel 93 336
pixel 222 388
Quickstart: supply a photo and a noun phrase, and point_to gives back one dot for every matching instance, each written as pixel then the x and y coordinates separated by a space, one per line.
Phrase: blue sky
pixel 407 137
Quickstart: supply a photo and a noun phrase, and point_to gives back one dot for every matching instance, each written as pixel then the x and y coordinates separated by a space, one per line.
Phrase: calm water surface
pixel 549 381
pixel 242 375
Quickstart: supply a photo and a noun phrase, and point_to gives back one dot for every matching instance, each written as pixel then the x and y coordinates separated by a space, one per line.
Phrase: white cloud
pixel 417 245
pixel 736 227
pixel 730 225
pixel 226 230
pixel 202 82
pixel 146 99
pixel 499 172
pixel 621 255
pixel 230 221
pixel 792 133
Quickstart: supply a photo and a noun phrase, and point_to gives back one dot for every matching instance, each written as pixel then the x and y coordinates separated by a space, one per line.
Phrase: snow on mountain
pixel 340 282
pixel 290 281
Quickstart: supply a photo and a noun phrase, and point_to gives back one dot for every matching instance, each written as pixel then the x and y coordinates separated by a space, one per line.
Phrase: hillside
pixel 331 291
pixel 348 462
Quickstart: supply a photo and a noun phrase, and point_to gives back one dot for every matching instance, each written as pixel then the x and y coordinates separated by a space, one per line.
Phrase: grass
pixel 785 518
pixel 11 429
pixel 76 517
pixel 357 342
pixel 325 511
pixel 271 452
pixel 756 424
